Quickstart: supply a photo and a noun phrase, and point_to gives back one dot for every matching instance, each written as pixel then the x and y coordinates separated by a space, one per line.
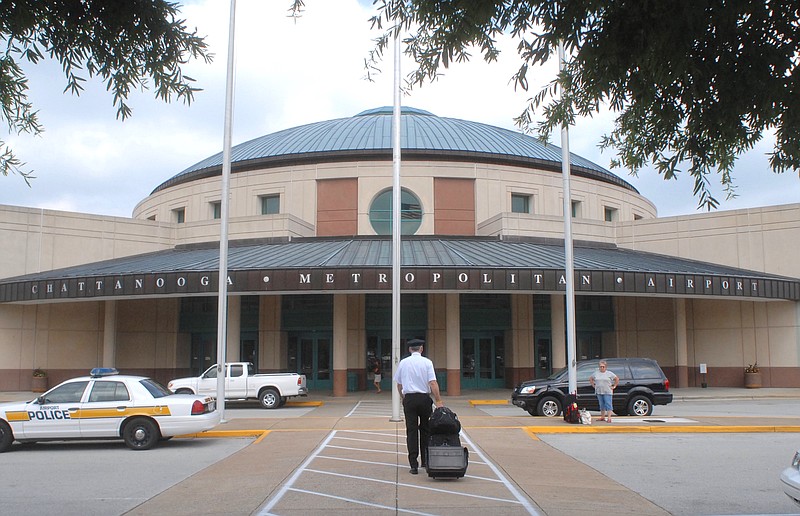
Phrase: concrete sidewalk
pixel 344 455
pixel 286 469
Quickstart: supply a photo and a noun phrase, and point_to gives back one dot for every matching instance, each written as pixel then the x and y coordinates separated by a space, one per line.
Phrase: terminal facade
pixel 482 268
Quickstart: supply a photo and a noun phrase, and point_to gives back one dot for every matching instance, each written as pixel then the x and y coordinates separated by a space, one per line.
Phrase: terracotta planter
pixel 752 380
pixel 39 383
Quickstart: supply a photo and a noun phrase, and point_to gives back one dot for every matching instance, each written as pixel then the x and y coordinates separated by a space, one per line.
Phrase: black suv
pixel 642 384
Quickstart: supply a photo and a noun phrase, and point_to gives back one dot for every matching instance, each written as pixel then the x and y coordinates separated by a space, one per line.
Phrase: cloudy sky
pixel 288 73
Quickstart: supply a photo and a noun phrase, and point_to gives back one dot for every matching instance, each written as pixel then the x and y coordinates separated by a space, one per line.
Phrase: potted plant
pixel 39 380
pixel 752 376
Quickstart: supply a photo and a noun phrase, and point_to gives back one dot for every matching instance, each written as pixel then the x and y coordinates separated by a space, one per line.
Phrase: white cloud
pixel 288 73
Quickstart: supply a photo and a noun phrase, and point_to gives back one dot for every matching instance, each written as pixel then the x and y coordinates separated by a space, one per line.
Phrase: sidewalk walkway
pixel 332 460
pixel 340 455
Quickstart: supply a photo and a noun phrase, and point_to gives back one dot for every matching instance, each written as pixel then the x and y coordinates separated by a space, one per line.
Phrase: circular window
pixel 380 213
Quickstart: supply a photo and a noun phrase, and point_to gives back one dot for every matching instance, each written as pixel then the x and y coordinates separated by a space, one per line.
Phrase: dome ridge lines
pixel 371 131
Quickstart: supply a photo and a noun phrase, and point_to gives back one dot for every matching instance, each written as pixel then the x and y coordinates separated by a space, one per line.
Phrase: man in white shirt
pixel 416 381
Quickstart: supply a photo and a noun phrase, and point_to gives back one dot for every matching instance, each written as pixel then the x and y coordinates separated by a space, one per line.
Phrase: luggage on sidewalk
pixel 571 413
pixel 446 457
pixel 447 461
pixel 444 440
pixel 444 421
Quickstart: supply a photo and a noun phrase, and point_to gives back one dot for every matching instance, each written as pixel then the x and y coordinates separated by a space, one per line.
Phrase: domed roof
pixel 368 135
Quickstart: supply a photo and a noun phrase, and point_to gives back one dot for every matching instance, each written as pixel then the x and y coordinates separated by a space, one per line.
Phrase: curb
pixel 305 403
pixel 258 434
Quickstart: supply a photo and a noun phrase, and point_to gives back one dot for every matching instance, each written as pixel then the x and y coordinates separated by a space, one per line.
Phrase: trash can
pixel 352 382
pixel 441 379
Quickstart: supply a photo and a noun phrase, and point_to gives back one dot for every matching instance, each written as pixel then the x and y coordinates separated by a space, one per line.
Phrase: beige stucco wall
pixel 37 240
pixel 760 239
pixel 645 328
pixel 147 334
pixel 727 335
pixel 64 336
pixel 720 332
pixel 494 185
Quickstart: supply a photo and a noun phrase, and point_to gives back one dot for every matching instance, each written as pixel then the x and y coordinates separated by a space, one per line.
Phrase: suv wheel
pixel 549 406
pixel 640 406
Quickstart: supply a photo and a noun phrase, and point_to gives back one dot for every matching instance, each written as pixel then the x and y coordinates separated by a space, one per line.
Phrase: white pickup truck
pixel 242 383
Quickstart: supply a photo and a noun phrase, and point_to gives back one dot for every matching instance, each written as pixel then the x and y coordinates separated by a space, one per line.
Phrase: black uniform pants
pixel 417 408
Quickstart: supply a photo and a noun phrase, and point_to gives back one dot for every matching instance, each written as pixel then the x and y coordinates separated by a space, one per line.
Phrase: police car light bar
pixel 103 371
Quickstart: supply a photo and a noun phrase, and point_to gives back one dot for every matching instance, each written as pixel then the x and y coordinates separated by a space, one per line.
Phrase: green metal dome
pixel 368 135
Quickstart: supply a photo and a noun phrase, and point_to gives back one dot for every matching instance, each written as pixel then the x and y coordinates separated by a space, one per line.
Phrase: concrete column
pixel 110 334
pixel 520 349
pixel 681 344
pixel 453 332
pixel 558 325
pixel 272 352
pixel 234 329
pixel 339 344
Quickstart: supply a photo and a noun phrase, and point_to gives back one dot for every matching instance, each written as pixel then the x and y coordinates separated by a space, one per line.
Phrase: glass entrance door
pixel 380 348
pixel 482 361
pixel 204 352
pixel 543 363
pixel 311 356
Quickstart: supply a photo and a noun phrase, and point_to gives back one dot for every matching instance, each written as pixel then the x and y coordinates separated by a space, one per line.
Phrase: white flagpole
pixel 396 255
pixel 568 251
pixel 222 308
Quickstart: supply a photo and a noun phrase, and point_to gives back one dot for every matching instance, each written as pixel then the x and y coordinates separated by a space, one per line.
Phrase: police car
pixel 107 405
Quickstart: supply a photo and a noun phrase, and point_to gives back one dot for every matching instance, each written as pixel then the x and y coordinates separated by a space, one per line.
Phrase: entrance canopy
pixel 457 264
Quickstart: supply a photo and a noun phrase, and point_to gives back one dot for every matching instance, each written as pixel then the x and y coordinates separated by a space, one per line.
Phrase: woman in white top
pixel 604 383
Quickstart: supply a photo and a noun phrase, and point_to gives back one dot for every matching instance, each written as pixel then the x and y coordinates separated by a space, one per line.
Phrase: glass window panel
pixel 468 358
pixel 520 203
pixel 323 359
pixel 499 357
pixel 270 204
pixel 67 393
pixel 380 213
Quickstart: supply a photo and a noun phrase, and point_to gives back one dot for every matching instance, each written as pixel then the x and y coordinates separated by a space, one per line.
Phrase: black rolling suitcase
pixel 446 457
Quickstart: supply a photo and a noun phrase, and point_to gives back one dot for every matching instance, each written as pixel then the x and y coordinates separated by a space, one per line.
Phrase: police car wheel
pixel 270 398
pixel 141 434
pixel 6 436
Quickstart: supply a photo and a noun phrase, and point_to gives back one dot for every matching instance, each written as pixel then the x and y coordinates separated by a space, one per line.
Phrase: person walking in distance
pixel 416 382
pixel 377 370
pixel 604 383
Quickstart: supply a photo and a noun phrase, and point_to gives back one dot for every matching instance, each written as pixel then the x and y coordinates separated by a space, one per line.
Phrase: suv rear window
pixel 645 369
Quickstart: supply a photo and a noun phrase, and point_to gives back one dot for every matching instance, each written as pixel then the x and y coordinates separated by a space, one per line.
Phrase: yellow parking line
pixel 531 434
pixel 305 403
pixel 488 402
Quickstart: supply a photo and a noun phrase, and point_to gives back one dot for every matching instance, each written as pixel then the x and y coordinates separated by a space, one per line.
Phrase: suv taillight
pixel 198 408
pixel 666 383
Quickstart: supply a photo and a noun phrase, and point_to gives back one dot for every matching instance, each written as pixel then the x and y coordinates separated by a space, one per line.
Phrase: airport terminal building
pixel 482 267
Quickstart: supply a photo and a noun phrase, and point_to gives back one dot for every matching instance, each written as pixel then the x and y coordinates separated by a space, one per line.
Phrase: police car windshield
pixel 154 388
